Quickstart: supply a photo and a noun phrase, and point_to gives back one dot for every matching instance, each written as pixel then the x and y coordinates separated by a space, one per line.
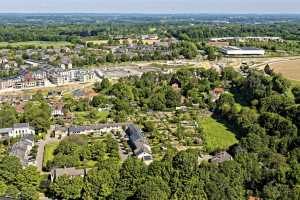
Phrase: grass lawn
pixel 48 153
pixel 83 117
pixel 216 135
pixel 43 44
pixel 295 83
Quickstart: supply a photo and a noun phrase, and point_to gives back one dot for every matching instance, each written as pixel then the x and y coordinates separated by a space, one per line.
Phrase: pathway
pixel 41 147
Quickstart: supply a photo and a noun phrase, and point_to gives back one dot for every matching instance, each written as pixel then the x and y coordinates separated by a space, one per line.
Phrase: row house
pixel 22 150
pixel 9 83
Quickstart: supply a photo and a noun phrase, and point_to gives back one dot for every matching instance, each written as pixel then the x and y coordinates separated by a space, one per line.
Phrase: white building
pixel 231 50
pixel 17 130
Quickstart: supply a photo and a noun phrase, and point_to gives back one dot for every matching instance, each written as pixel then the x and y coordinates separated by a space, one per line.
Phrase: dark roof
pixel 20 148
pixel 134 133
pixel 68 171
pixel 21 125
pixel 146 158
pixel 221 157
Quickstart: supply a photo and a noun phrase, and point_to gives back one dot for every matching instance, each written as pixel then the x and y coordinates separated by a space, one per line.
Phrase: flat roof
pixel 232 48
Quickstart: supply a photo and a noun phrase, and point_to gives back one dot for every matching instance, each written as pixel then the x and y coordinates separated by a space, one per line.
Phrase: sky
pixel 152 6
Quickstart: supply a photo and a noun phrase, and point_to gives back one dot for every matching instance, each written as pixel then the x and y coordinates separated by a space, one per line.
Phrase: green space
pixel 216 135
pixel 98 42
pixel 295 83
pixel 49 152
pixel 85 117
pixel 43 44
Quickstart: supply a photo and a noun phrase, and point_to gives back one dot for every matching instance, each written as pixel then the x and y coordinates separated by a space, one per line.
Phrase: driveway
pixel 41 147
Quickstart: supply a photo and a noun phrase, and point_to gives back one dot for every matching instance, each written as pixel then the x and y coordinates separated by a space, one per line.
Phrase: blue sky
pixel 152 6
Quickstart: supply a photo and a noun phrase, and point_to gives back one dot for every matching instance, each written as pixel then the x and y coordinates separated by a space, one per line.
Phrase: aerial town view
pixel 149 100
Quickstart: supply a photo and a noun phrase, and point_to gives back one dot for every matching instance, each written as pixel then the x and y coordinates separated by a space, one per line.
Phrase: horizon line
pixel 150 13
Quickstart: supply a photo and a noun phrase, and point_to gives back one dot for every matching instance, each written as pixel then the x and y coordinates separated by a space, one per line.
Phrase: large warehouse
pixel 230 50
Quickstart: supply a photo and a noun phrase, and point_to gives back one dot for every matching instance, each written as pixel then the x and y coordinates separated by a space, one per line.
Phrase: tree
pixel 277 125
pixel 157 102
pixel 99 184
pixel 155 188
pixel 280 84
pixel 68 188
pixel 104 85
pixel 211 53
pixel 38 114
pixel 186 162
pixel 8 116
pixel 3 188
pixel 173 98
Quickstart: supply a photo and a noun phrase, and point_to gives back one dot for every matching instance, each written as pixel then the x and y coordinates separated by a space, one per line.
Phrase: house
pixel 98 128
pixel 71 172
pixel 17 130
pixel 221 157
pixel 57 110
pixel 175 83
pixel 31 63
pixel 60 131
pixel 139 144
pixel 218 43
pixel 22 150
pixel 66 63
pixel 216 93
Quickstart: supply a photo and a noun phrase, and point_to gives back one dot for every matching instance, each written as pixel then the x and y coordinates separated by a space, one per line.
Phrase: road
pixel 41 147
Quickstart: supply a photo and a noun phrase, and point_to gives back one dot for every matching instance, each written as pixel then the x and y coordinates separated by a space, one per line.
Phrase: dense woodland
pixel 185 31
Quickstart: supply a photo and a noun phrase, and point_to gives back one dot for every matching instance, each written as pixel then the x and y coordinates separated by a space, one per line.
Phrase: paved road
pixel 41 147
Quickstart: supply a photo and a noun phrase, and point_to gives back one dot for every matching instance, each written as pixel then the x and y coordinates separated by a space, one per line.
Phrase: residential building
pixel 216 93
pixel 71 172
pixel 57 110
pixel 17 130
pixel 138 143
pixel 31 63
pixel 221 157
pixel 22 150
pixel 98 129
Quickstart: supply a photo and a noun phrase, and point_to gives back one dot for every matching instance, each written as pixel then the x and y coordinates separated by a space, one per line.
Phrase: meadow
pixel 216 135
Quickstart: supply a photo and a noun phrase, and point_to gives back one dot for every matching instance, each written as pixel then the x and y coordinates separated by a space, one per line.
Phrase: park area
pixel 43 44
pixel 216 135
pixel 49 152
pixel 80 151
pixel 289 69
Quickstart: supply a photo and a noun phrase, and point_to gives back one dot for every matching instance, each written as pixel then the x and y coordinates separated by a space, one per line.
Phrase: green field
pixel 49 151
pixel 216 135
pixel 43 44
pixel 295 83
pixel 83 118
pixel 98 42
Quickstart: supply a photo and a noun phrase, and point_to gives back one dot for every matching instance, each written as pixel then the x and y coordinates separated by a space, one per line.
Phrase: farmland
pixel 42 44
pixel 290 69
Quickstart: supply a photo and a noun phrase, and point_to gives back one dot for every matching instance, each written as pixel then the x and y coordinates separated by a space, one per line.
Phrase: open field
pixel 43 44
pixel 290 69
pixel 98 42
pixel 216 135
pixel 49 151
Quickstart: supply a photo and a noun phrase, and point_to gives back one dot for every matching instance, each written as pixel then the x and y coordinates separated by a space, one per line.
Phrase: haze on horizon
pixel 152 6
